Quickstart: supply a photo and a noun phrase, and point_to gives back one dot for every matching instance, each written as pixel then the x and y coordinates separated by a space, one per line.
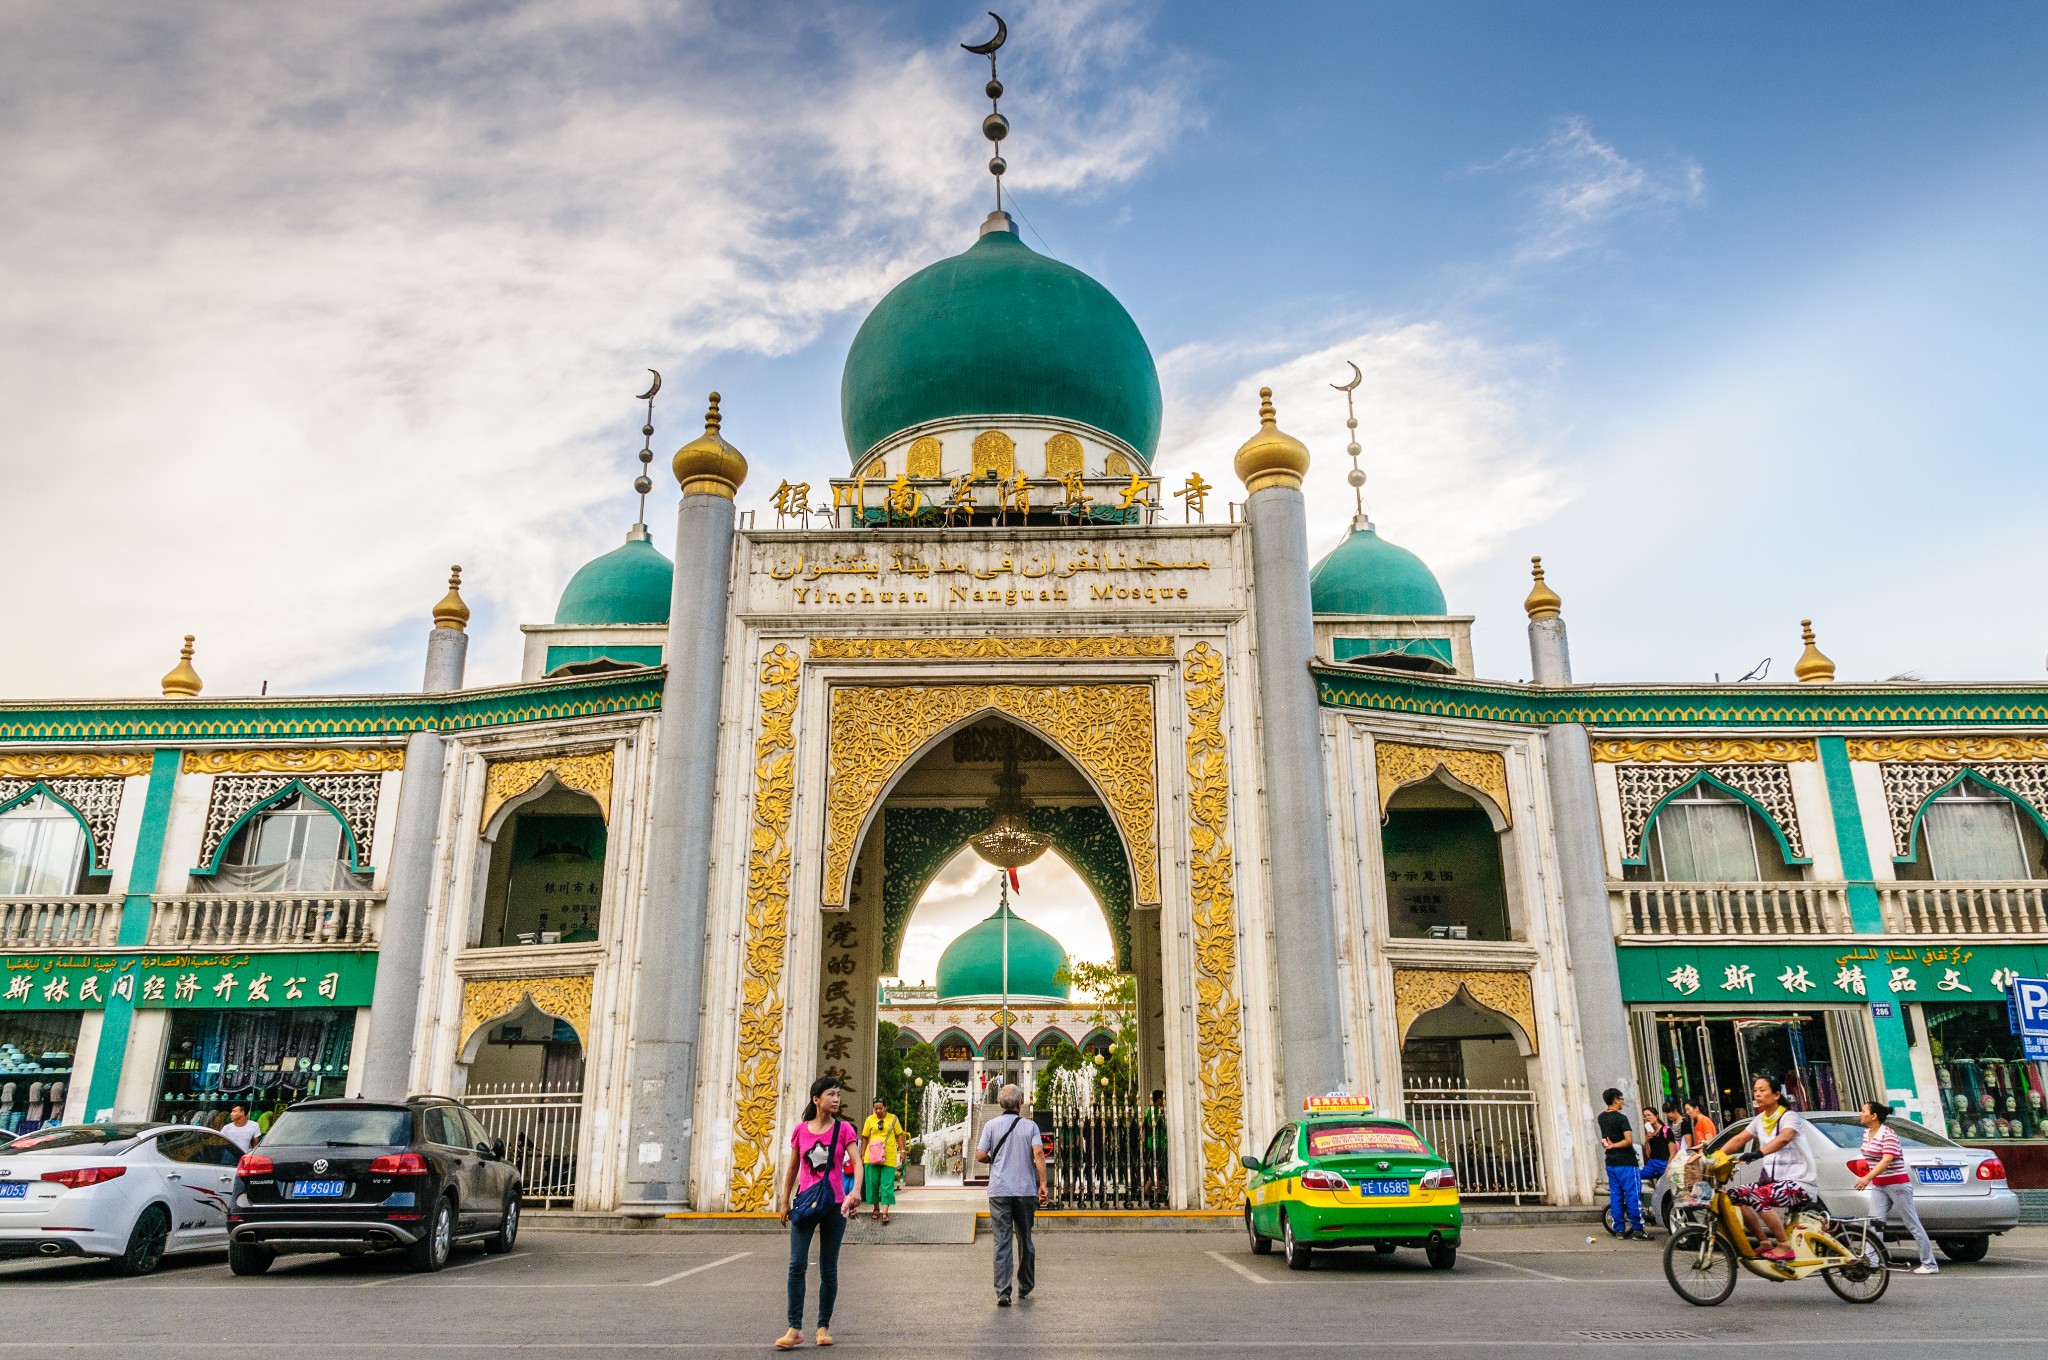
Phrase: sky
pixel 1051 896
pixel 1735 313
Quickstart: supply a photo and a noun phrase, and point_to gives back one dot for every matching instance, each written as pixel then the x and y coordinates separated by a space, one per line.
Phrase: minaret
pixel 181 681
pixel 1812 668
pixel 1550 659
pixel 386 1069
pixel 709 471
pixel 1271 465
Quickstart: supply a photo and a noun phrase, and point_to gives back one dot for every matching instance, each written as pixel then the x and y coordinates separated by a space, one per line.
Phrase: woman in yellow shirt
pixel 881 1152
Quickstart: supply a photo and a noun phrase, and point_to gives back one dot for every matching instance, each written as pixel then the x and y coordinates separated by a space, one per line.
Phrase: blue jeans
pixel 830 1231
pixel 1625 1194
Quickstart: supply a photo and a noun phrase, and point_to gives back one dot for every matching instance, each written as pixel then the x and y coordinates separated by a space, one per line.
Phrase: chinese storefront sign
pixel 1840 974
pixel 44 982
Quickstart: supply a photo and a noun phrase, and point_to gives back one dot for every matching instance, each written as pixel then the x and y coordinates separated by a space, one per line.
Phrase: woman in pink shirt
pixel 821 1149
pixel 1889 1181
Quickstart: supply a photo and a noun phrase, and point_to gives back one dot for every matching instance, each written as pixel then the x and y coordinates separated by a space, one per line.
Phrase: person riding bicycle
pixel 1777 1193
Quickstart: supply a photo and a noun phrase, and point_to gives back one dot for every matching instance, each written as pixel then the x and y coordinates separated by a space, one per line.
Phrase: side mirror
pixel 1251 1163
pixel 498 1149
pixel 484 1150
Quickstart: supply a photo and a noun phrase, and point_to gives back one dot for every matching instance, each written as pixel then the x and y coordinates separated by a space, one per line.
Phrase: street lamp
pixel 906 1101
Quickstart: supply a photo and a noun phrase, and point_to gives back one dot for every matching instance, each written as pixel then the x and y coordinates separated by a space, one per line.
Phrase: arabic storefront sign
pixel 978 578
pixel 1836 974
pixel 43 982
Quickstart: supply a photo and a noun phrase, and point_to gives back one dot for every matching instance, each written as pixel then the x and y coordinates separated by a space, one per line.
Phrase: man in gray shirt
pixel 1016 1187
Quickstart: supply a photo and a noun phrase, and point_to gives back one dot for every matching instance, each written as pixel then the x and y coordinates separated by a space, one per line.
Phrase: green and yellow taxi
pixel 1341 1176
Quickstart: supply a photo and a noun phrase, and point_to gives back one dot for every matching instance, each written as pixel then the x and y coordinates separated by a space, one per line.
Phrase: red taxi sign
pixel 1337 1103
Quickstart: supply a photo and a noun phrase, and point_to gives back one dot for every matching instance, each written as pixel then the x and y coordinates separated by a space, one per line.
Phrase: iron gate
pixel 540 1126
pixel 1488 1135
pixel 1108 1152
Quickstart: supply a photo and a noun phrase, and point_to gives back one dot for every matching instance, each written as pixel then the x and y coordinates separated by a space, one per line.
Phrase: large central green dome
pixel 999 330
pixel 1365 574
pixel 973 964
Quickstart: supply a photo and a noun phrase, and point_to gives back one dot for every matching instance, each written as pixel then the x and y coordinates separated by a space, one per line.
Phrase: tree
pixel 1115 995
pixel 923 1061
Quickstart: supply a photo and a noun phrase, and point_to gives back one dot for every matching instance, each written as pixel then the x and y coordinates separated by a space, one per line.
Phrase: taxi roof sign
pixel 1337 1102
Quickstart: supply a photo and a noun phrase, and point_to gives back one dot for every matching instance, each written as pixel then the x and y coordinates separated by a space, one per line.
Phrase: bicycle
pixel 1708 1242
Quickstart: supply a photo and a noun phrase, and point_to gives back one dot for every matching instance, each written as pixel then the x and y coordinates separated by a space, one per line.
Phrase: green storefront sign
pixel 1824 974
pixel 197 981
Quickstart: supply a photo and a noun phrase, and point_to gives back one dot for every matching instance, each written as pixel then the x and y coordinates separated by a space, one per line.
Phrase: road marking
pixel 445 1270
pixel 1510 1265
pixel 708 1265
pixel 1238 1266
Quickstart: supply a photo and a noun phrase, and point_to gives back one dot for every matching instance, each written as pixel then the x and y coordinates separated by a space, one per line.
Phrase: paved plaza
pixel 1515 1291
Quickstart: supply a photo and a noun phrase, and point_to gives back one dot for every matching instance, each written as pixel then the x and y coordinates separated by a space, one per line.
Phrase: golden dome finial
pixel 1271 457
pixel 1543 602
pixel 182 682
pixel 707 465
pixel 451 612
pixel 1814 667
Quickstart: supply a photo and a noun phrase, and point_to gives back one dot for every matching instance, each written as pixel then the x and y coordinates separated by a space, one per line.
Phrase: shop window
pixel 547 875
pixel 1445 878
pixel 263 1060
pixel 36 1050
pixel 298 845
pixel 1988 1089
pixel 1819 1056
pixel 44 852
pixel 1974 834
pixel 1706 836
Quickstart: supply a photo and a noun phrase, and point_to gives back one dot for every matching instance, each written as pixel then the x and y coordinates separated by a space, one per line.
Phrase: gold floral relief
pixel 1704 751
pixel 995 452
pixel 487 999
pixel 1418 991
pixel 585 771
pixel 1063 454
pixel 923 459
pixel 765 943
pixel 1399 764
pixel 73 764
pixel 1116 465
pixel 1955 749
pixel 1042 647
pixel 1104 729
pixel 1219 1043
pixel 304 760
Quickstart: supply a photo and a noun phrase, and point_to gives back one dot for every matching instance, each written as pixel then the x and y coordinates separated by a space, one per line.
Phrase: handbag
pixel 813 1203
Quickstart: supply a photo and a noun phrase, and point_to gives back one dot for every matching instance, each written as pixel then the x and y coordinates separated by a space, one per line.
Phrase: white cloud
pixel 301 304
pixel 1052 897
pixel 1578 186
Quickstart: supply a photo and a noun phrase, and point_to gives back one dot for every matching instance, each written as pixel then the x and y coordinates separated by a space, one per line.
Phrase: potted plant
pixel 913 1164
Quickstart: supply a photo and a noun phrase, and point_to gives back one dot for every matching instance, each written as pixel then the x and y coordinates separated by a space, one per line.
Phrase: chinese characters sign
pixel 1840 974
pixel 45 982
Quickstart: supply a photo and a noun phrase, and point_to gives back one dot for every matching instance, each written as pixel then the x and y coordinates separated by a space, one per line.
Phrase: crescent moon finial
pixel 648 395
pixel 1356 378
pixel 988 49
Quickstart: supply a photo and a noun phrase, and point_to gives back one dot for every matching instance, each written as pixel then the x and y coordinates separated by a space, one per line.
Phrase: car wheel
pixel 430 1253
pixel 501 1241
pixel 1261 1244
pixel 1442 1255
pixel 1964 1249
pixel 249 1259
pixel 1300 1255
pixel 145 1243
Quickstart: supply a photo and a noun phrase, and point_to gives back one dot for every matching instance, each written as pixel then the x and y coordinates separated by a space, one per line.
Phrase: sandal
pixel 824 1337
pixel 1777 1254
pixel 789 1340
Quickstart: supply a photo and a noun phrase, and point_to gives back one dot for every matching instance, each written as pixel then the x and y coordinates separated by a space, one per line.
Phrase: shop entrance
pixel 1715 1058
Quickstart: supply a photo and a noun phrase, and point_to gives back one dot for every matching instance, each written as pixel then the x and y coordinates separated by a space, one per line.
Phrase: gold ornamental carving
pixel 1400 764
pixel 1041 648
pixel 1104 729
pixel 1706 751
pixel 585 771
pixel 1063 454
pixel 995 452
pixel 1219 1044
pixel 758 1066
pixel 305 760
pixel 923 458
pixel 565 998
pixel 1950 749
pixel 1418 991
pixel 73 764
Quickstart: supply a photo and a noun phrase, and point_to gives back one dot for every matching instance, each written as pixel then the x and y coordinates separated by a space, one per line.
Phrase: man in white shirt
pixel 1010 1144
pixel 239 1130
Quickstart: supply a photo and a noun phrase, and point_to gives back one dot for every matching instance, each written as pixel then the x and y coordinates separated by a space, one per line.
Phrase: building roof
pixel 1365 574
pixel 973 964
pixel 629 584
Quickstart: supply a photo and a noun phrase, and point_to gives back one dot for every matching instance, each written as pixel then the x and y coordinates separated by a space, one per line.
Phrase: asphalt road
pixel 1516 1291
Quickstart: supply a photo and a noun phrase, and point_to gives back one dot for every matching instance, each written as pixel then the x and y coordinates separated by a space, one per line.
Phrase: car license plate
pixel 1939 1175
pixel 1382 1189
pixel 318 1189
pixel 14 1190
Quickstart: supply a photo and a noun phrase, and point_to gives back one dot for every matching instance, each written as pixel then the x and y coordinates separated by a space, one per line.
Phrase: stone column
pixel 1271 465
pixel 401 951
pixel 671 983
pixel 1550 659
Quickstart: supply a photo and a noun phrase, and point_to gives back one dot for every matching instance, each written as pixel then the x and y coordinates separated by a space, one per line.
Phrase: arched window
pixel 42 850
pixel 1443 863
pixel 547 875
pixel 1972 833
pixel 297 845
pixel 1706 835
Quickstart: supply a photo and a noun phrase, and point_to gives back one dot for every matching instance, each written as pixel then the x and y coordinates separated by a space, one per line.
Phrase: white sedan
pixel 129 1192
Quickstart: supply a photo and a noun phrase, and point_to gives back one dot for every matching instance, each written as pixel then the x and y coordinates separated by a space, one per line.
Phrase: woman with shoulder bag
pixel 818 1195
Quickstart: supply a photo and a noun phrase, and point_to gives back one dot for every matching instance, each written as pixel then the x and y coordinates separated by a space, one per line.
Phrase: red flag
pixel 1015 887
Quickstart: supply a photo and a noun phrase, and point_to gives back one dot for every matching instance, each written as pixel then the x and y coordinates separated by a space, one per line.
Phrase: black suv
pixel 368 1175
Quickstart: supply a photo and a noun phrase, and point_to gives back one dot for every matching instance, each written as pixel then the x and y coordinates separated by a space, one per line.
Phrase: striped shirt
pixel 1883 1143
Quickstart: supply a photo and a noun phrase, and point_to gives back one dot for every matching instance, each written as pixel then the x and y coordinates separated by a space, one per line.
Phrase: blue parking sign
pixel 2026 1005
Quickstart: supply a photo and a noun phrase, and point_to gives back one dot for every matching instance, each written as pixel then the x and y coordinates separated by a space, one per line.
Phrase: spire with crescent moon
pixel 1357 474
pixel 643 483
pixel 995 127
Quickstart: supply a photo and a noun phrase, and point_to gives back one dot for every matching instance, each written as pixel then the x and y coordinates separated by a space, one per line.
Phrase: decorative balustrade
pixel 1729 908
pixel 59 922
pixel 267 921
pixel 1964 908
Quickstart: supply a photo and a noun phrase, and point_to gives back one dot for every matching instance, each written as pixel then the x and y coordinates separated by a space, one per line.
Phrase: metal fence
pixel 1489 1135
pixel 1109 1152
pixel 540 1127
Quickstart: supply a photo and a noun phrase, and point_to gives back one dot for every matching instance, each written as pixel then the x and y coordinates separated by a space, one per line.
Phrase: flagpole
pixel 1009 1035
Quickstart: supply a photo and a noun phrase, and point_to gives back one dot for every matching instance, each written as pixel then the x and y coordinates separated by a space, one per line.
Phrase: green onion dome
pixel 999 330
pixel 1365 574
pixel 629 584
pixel 973 964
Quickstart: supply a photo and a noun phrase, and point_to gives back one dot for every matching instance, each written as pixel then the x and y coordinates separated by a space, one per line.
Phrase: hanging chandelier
pixel 1009 842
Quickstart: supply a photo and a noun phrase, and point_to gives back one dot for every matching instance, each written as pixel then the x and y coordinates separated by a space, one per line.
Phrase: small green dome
pixel 630 584
pixel 999 330
pixel 973 964
pixel 1365 574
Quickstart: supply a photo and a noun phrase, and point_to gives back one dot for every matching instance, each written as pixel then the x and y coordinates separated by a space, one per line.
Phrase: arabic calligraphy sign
pixel 1825 974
